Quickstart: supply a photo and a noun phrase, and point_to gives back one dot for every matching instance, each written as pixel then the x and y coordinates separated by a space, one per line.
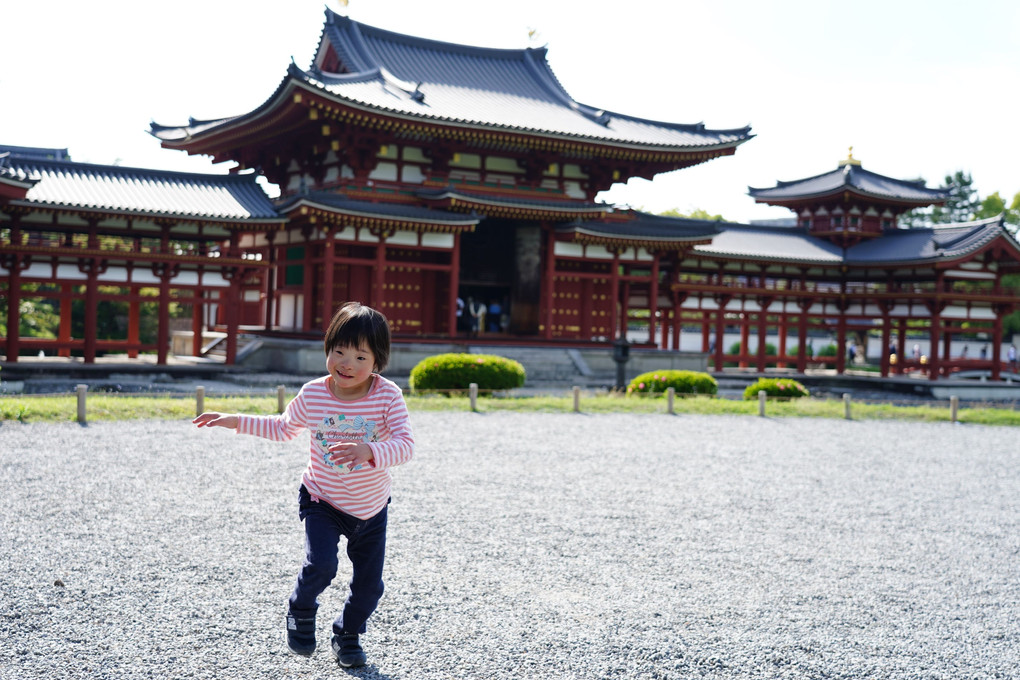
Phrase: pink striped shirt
pixel 379 419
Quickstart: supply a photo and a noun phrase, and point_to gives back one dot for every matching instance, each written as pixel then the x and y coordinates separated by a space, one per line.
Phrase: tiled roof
pixel 34 152
pixel 338 203
pixel 792 244
pixel 645 228
pixel 481 200
pixel 853 178
pixel 900 246
pixel 108 188
pixel 919 245
pixel 506 89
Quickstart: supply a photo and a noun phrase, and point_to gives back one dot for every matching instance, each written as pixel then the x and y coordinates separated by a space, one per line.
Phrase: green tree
pixel 962 205
pixel 1013 212
pixel 995 205
pixel 991 206
pixel 695 214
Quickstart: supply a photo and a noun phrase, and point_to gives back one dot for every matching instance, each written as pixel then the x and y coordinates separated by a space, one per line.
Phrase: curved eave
pixel 502 209
pixel 588 237
pixel 290 96
pixel 264 224
pixel 334 216
pixel 844 193
pixel 775 259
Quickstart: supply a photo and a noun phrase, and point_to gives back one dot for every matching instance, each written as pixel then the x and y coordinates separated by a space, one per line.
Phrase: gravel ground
pixel 527 546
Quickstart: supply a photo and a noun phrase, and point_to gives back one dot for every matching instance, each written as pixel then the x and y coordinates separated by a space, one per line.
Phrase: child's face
pixel 351 369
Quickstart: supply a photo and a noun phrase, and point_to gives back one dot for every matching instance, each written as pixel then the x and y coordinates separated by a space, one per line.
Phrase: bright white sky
pixel 918 88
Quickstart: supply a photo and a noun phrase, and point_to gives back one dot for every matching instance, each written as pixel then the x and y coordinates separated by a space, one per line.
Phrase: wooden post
pixel 670 396
pixel 762 396
pixel 81 389
pixel 328 265
pixel 846 406
pixel 473 394
pixel 453 293
pixel 954 408
pixel 280 397
pixel 199 400
pixel 577 399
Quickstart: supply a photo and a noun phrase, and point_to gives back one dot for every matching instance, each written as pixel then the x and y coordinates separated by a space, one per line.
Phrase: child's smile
pixel 351 369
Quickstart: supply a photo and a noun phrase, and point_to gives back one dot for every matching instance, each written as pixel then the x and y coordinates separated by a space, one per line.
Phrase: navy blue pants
pixel 366 548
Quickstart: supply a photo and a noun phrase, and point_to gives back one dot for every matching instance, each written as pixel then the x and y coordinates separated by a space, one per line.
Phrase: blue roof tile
pixel 478 198
pixel 896 246
pixel 118 189
pixel 341 204
pixel 791 244
pixel 478 87
pixel 853 178
pixel 924 245
pixel 646 228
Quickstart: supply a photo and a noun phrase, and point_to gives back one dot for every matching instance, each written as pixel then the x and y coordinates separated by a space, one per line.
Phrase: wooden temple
pixel 414 173
pixel 847 269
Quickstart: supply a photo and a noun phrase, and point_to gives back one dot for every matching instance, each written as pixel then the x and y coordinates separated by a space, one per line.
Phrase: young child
pixel 359 429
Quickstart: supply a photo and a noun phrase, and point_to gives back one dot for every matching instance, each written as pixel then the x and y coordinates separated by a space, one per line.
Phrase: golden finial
pixel 850 160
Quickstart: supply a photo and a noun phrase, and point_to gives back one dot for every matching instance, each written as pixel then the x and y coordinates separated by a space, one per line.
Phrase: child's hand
pixel 351 454
pixel 213 419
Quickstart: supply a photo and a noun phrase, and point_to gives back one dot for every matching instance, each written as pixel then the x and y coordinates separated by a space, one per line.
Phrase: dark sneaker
pixel 348 651
pixel 301 635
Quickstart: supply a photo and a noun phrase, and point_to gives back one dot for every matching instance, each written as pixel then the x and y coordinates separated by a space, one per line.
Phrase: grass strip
pixel 105 407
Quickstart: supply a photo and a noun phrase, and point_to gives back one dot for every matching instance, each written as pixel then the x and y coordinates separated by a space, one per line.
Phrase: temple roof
pixel 34 152
pixel 411 78
pixel 895 246
pixel 944 242
pixel 340 205
pixel 791 244
pixel 645 230
pixel 497 205
pixel 122 190
pixel 853 178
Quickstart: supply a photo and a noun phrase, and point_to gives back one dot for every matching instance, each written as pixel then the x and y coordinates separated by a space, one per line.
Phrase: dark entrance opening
pixel 489 275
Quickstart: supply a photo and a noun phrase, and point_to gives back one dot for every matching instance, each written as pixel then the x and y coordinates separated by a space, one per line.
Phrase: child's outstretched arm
pixel 213 419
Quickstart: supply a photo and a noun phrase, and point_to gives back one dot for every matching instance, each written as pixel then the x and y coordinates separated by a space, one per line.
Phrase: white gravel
pixel 527 546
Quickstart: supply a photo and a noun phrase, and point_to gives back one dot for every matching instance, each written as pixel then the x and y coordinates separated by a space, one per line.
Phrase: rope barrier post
pixel 846 406
pixel 199 400
pixel 954 408
pixel 280 398
pixel 762 396
pixel 670 395
pixel 473 394
pixel 577 399
pixel 81 389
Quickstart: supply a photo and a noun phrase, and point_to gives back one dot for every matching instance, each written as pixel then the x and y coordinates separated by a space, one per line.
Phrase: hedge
pixel 684 382
pixel 776 387
pixel 458 371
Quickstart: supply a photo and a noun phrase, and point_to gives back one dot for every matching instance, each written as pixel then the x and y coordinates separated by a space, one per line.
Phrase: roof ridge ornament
pixel 849 160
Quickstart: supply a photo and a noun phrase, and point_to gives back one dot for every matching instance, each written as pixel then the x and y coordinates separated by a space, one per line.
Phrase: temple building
pixel 424 178
pixel 847 269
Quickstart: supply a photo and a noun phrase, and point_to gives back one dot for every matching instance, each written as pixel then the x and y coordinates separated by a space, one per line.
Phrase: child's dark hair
pixel 354 325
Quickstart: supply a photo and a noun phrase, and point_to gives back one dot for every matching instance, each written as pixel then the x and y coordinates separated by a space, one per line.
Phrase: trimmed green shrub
pixel 684 382
pixel 795 351
pixel 458 371
pixel 829 350
pixel 776 387
pixel 770 349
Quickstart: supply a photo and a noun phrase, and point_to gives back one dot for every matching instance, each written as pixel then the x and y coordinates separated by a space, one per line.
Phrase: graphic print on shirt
pixel 338 428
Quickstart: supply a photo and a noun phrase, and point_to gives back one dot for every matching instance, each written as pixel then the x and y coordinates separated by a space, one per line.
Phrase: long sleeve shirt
pixel 379 419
